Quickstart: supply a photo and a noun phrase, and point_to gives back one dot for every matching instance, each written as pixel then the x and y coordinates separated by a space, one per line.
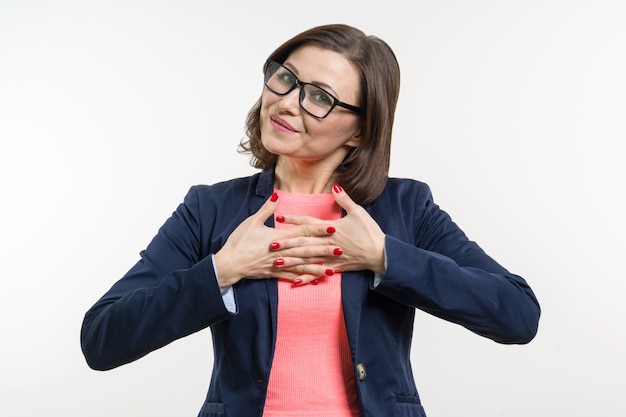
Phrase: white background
pixel 514 112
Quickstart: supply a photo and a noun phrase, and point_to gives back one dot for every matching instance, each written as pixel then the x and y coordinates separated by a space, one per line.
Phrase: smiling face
pixel 291 133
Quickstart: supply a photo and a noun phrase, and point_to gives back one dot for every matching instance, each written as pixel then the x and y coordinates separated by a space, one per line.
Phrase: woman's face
pixel 290 132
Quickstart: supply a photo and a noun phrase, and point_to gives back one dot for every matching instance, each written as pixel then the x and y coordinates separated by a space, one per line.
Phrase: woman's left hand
pixel 358 242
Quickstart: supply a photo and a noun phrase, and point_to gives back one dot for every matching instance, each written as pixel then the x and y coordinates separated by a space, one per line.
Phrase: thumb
pixel 268 208
pixel 343 199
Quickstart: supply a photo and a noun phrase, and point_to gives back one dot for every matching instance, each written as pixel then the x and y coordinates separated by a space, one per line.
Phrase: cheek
pixel 339 130
pixel 267 100
pixel 267 104
pixel 263 114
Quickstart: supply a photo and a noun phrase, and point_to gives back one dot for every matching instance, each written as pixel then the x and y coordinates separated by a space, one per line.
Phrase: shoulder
pixel 405 183
pixel 406 189
pixel 410 199
pixel 236 187
pixel 403 197
pixel 227 196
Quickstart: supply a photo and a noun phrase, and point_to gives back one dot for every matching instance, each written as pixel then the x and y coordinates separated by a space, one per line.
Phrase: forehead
pixel 322 66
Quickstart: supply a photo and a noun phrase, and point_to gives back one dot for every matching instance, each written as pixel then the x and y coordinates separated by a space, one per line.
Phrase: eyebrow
pixel 317 83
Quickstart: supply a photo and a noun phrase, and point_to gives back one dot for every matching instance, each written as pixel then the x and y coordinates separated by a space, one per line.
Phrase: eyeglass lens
pixel 313 99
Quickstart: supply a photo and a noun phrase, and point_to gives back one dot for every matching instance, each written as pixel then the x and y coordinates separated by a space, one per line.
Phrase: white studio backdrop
pixel 513 112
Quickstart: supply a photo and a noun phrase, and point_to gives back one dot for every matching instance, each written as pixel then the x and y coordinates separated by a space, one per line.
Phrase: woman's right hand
pixel 248 251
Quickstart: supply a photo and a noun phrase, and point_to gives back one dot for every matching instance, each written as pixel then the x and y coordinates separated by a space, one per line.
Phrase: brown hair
pixel 363 172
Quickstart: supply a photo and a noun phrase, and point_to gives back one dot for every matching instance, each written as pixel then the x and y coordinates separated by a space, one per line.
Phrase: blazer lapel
pixel 264 189
pixel 354 287
pixel 356 284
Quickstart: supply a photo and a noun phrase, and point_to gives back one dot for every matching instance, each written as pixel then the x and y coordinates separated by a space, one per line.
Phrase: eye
pixel 285 77
pixel 320 97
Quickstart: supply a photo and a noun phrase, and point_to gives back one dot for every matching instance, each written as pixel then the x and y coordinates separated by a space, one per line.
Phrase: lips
pixel 281 124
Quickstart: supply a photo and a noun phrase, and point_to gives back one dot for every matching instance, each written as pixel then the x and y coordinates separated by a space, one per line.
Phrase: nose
pixel 290 102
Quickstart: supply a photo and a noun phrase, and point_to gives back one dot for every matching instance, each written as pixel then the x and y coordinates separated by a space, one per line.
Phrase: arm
pixel 445 274
pixel 170 293
pixel 177 287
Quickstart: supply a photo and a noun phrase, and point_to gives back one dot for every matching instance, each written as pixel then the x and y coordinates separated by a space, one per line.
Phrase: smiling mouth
pixel 281 124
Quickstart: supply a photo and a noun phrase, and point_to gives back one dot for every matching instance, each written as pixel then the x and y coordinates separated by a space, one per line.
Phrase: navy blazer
pixel 431 265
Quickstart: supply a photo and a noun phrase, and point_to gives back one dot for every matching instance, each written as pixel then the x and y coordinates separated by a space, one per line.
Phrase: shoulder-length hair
pixel 364 171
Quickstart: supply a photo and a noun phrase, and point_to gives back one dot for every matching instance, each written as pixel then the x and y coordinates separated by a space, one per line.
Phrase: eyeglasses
pixel 313 99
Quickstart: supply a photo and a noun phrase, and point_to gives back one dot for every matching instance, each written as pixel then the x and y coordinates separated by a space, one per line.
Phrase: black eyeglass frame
pixel 336 101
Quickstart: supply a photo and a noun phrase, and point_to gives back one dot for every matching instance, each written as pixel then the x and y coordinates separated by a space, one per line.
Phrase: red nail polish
pixel 280 219
pixel 337 251
pixel 315 282
pixel 330 272
pixel 274 245
pixel 274 197
pixel 337 188
pixel 279 262
pixel 330 229
pixel 297 281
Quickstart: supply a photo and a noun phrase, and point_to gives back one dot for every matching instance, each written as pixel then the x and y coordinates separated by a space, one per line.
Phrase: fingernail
pixel 337 188
pixel 338 251
pixel 330 229
pixel 274 197
pixel 280 219
pixel 330 272
pixel 274 245
pixel 279 262
pixel 315 282
pixel 297 281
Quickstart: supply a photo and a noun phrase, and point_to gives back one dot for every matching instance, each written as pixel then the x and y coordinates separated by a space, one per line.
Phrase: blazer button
pixel 361 372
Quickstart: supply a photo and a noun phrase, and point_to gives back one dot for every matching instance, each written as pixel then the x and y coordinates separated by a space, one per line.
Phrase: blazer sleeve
pixel 437 269
pixel 171 292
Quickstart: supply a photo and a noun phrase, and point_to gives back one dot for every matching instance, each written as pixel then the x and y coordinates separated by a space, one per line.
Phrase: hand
pixel 360 237
pixel 357 243
pixel 251 251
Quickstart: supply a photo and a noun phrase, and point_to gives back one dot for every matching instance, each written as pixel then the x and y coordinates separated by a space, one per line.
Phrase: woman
pixel 309 272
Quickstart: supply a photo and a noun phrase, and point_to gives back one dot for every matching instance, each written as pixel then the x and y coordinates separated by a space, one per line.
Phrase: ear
pixel 355 141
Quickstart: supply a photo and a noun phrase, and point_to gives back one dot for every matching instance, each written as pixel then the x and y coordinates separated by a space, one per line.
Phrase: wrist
pixel 225 274
pixel 380 260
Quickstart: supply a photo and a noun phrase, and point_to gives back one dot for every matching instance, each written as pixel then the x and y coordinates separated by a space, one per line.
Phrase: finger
pixel 311 276
pixel 298 279
pixel 268 208
pixel 314 279
pixel 300 220
pixel 319 230
pixel 310 249
pixel 343 199
pixel 312 230
pixel 316 269
pixel 296 276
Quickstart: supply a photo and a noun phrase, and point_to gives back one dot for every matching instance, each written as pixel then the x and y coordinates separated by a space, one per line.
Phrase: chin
pixel 269 143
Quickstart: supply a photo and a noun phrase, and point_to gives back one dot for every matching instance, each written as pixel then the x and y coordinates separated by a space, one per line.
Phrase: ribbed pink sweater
pixel 312 373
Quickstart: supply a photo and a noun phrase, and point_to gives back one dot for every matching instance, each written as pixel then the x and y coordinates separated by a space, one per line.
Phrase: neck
pixel 303 178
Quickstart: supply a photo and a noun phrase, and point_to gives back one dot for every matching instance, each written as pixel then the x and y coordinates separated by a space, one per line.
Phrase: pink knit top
pixel 312 373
